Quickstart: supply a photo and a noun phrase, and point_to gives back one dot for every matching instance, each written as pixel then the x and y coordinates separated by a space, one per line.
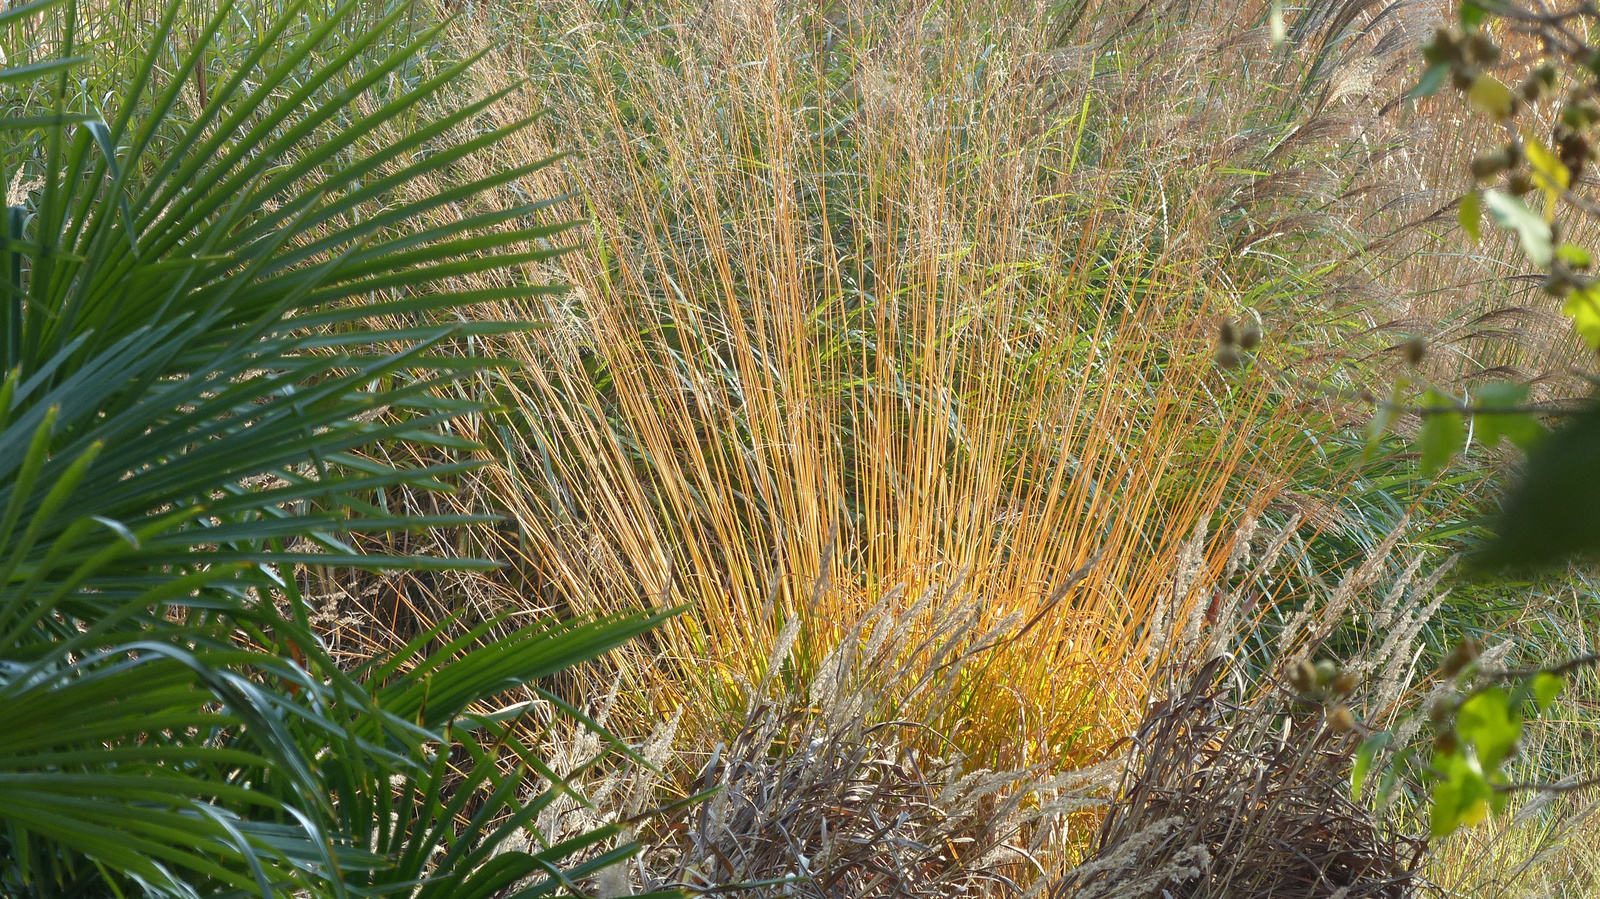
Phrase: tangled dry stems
pixel 804 812
pixel 1218 805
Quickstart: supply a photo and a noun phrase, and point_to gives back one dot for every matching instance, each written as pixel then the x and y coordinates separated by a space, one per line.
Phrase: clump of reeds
pixel 1232 785
pixel 935 288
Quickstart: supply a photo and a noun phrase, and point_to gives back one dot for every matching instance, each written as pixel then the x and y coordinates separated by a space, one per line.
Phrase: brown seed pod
pixel 1250 335
pixel 1442 710
pixel 1414 350
pixel 1480 49
pixel 1340 719
pixel 1303 677
pixel 1228 356
pixel 1465 653
pixel 1519 184
pixel 1445 743
pixel 1346 682
pixel 1227 332
pixel 1487 165
pixel 1574 150
pixel 1443 49
pixel 1540 83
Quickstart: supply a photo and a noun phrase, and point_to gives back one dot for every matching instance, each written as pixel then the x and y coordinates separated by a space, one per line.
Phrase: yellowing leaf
pixel 1550 174
pixel 1469 214
pixel 1574 255
pixel 1461 795
pixel 1583 307
pixel 1489 95
pixel 1474 814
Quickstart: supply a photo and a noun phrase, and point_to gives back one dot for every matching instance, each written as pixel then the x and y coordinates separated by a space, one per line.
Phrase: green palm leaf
pixel 191 381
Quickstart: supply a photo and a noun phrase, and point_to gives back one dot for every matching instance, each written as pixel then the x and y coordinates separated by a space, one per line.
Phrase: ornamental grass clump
pixel 938 290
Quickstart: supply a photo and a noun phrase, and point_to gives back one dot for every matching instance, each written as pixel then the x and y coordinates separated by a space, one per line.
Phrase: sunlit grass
pixel 874 302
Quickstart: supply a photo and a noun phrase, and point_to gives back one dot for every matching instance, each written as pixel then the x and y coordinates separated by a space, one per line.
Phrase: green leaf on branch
pixel 1553 511
pixel 1521 428
pixel 1370 747
pixel 1461 795
pixel 1583 307
pixel 1471 15
pixel 1511 214
pixel 1470 215
pixel 1443 433
pixel 1546 687
pixel 1431 81
pixel 1488 722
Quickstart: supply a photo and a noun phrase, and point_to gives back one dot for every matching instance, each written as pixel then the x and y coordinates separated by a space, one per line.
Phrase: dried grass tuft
pixel 1236 786
pixel 827 788
pixel 850 812
pixel 1242 801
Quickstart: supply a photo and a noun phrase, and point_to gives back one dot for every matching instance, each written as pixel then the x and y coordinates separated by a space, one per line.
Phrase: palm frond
pixel 192 389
